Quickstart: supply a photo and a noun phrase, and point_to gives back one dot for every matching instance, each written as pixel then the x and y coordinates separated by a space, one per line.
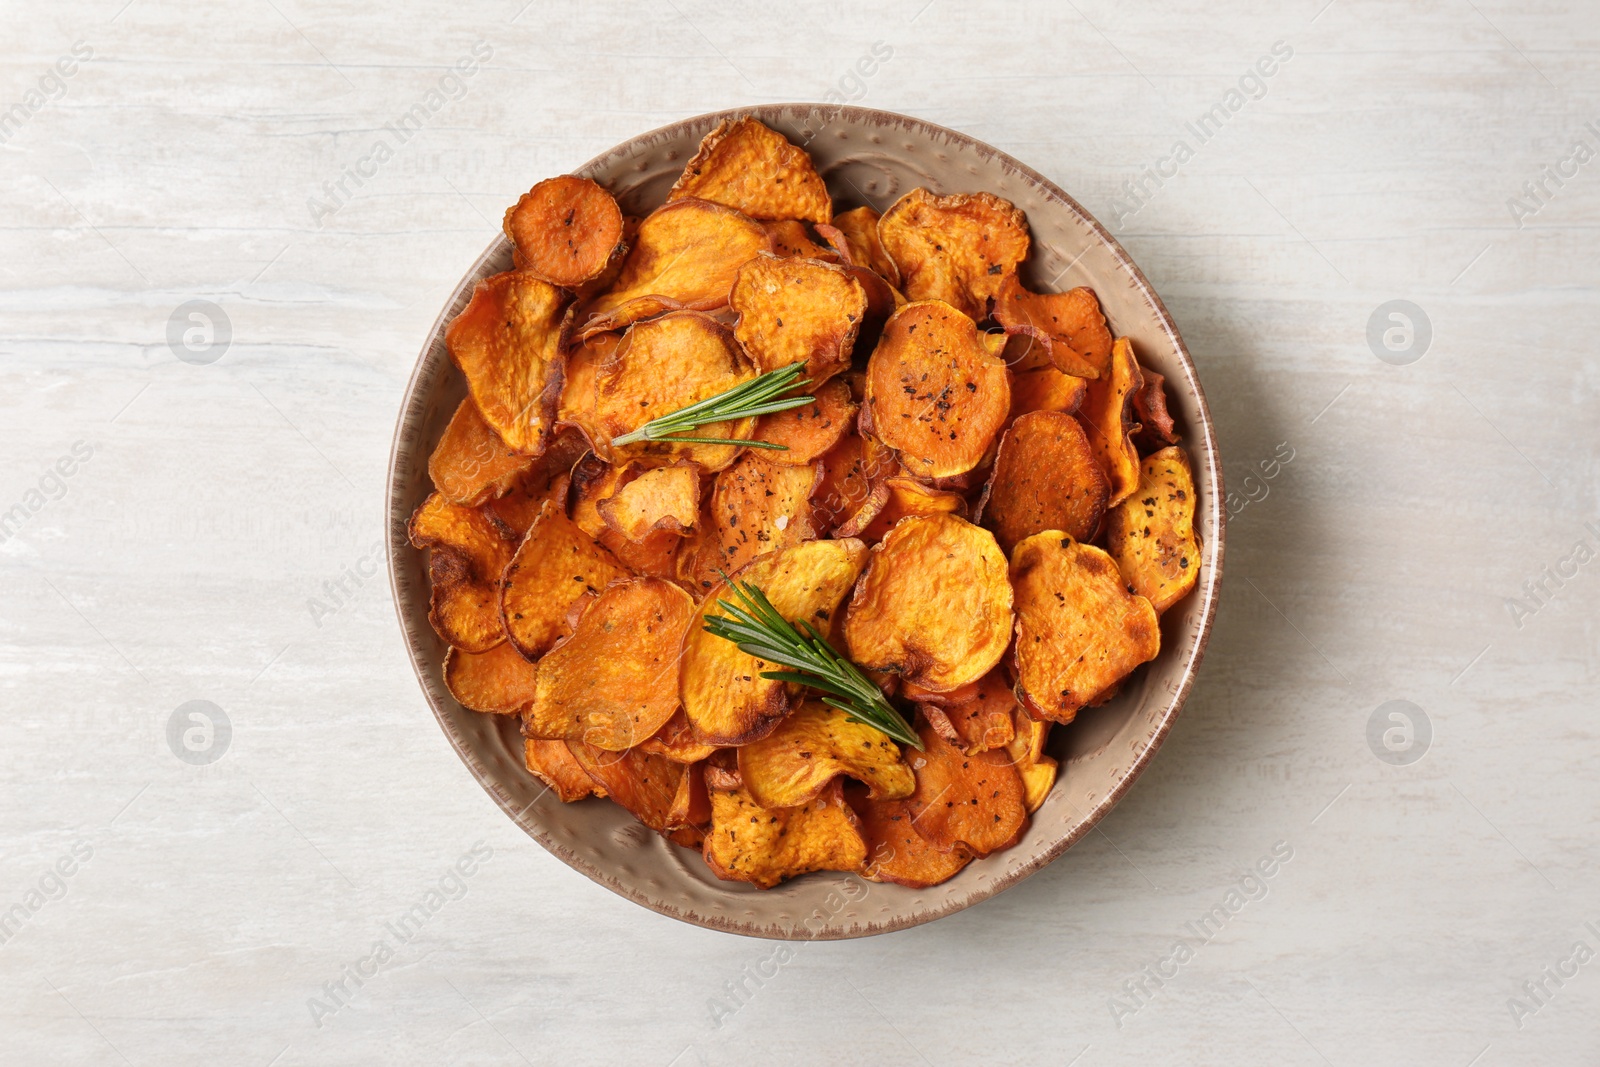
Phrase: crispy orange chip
pixel 684 256
pixel 1081 343
pixel 660 499
pixel 974 803
pixel 662 366
pixel 764 846
pixel 806 433
pixel 498 681
pixel 814 745
pixel 1045 477
pixel 644 784
pixel 1079 630
pixel 1151 534
pixel 789 238
pixel 982 721
pixel 551 762
pixel 1150 407
pixel 507 342
pixel 613 682
pixel 566 230
pixel 896 852
pixel 859 229
pixel 933 605
pixel 546 479
pixel 470 463
pixel 1046 389
pixel 954 248
pixel 906 497
pixel 724 696
pixel 691 807
pixel 468 553
pixel 1108 421
pixel 1026 751
pixel 577 405
pixel 853 475
pixel 758 506
pixel 748 166
pixel 676 741
pixel 934 392
pixel 797 311
pixel 555 565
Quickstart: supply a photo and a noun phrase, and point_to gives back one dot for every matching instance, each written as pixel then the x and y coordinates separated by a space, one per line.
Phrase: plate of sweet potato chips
pixel 805 521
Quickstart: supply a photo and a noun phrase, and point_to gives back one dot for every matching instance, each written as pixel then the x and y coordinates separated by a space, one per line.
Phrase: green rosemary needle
pixel 756 627
pixel 755 397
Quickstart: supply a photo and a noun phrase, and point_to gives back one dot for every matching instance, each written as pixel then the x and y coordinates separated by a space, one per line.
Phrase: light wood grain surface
pixel 180 530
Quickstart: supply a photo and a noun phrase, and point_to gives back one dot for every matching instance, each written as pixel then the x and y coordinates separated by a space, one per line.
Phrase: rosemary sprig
pixel 755 397
pixel 756 627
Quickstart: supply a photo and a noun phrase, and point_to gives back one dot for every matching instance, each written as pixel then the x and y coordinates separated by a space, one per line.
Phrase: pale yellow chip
pixel 811 747
pixel 1151 534
pixel 765 846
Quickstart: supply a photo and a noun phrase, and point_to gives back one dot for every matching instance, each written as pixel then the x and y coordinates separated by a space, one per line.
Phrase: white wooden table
pixel 204 528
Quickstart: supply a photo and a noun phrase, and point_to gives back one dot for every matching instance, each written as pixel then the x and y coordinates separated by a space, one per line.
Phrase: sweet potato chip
pixel 982 721
pixel 797 311
pixel 748 166
pixel 499 681
pixel 934 393
pixel 676 741
pixel 973 803
pixel 644 784
pixel 1081 342
pixel 758 506
pixel 896 852
pixel 1026 751
pixel 470 464
pixel 662 498
pixel 906 497
pixel 566 230
pixel 1150 408
pixel 577 405
pixel 933 605
pixel 555 565
pixel 1108 421
pixel 662 366
pixel 507 342
pixel 691 807
pixel 954 248
pixel 1045 477
pixel 684 256
pixel 789 238
pixel 1046 389
pixel 724 696
pixel 764 846
pixel 1151 534
pixel 551 762
pixel 468 552
pixel 1079 630
pixel 811 747
pixel 613 682
pixel 546 479
pixel 859 229
pixel 806 433
pixel 853 471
